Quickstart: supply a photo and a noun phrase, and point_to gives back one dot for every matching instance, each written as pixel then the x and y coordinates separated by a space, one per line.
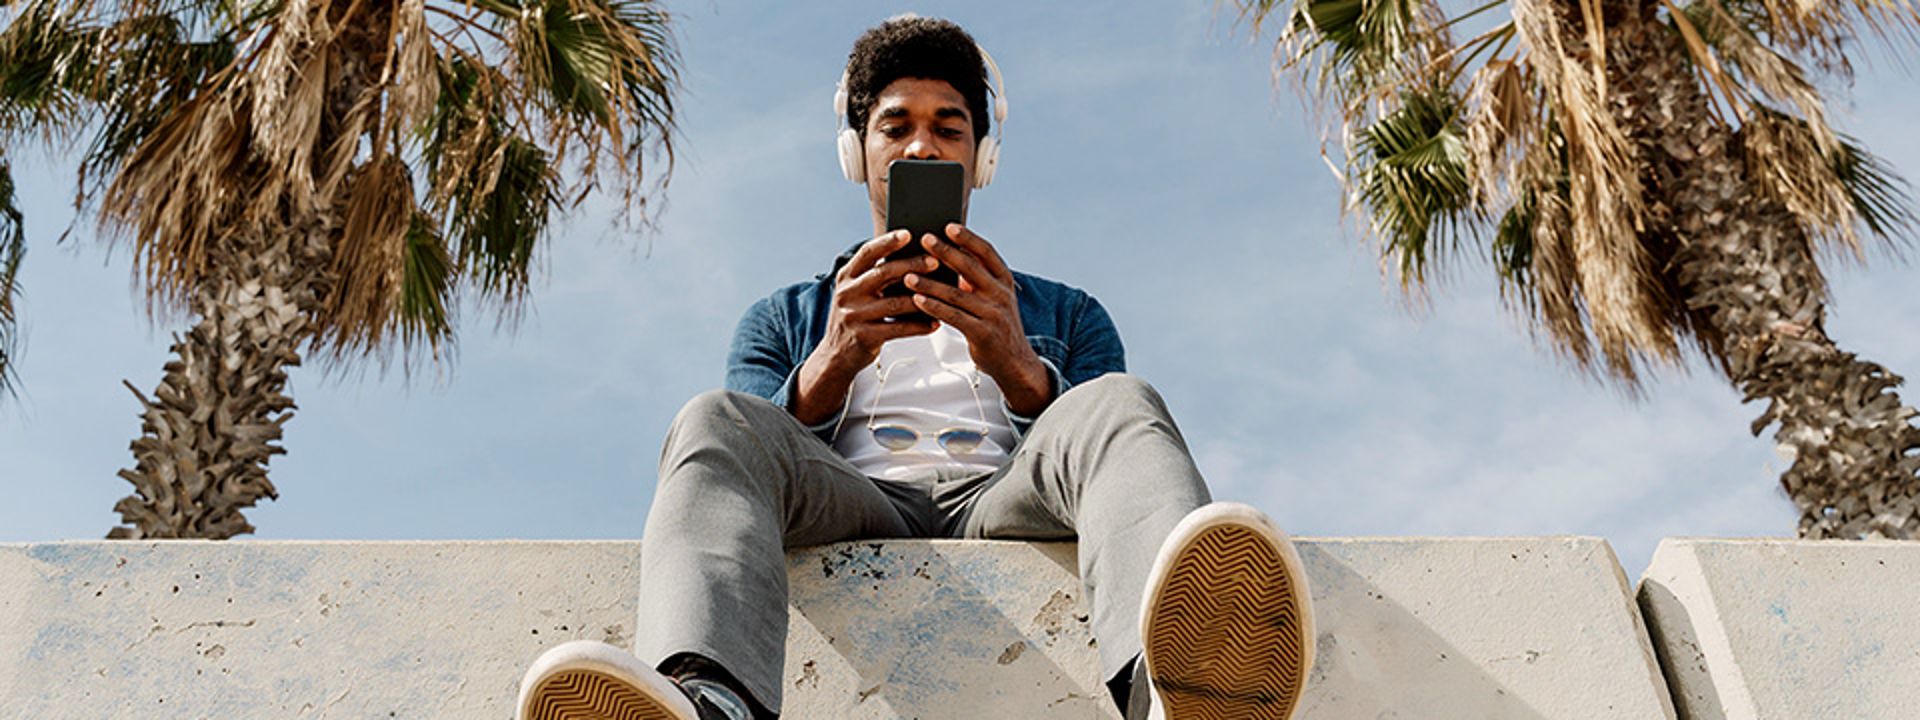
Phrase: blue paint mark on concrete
pixel 59 640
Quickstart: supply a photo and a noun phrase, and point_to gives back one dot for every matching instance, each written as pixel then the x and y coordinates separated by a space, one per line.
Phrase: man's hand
pixel 984 308
pixel 857 325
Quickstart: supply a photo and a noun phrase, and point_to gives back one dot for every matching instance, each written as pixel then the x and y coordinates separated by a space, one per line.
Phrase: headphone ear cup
pixel 986 160
pixel 853 161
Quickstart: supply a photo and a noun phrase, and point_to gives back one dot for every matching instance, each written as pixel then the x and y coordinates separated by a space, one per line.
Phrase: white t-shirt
pixel 930 387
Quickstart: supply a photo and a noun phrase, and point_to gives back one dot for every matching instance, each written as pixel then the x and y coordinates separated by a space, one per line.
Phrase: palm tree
pixel 324 177
pixel 1646 175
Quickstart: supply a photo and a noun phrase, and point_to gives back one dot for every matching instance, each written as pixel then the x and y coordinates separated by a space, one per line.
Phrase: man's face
pixel 917 119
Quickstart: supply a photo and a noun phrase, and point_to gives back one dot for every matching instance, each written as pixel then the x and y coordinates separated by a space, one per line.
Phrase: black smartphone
pixel 922 197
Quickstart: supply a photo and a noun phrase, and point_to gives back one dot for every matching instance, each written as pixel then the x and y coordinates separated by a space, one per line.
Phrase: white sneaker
pixel 1227 621
pixel 587 680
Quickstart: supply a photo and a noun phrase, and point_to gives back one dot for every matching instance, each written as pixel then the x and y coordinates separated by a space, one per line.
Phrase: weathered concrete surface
pixel 1477 628
pixel 1787 629
pixel 1512 628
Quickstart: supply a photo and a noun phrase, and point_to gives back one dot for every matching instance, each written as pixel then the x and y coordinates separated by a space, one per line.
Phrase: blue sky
pixel 1149 159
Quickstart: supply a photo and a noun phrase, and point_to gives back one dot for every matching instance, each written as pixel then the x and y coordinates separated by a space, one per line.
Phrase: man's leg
pixel 1105 462
pixel 740 481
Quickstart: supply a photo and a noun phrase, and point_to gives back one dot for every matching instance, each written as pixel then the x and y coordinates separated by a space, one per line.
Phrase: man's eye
pixel 951 133
pixel 896 132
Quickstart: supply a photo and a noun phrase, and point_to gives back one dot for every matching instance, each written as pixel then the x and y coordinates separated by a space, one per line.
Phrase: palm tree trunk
pixel 213 424
pixel 1756 291
pixel 210 428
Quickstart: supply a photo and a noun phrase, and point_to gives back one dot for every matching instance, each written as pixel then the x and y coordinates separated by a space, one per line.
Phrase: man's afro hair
pixel 910 46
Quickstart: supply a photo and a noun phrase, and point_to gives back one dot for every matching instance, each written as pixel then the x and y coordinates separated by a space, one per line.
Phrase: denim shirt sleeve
pixel 1093 349
pixel 761 360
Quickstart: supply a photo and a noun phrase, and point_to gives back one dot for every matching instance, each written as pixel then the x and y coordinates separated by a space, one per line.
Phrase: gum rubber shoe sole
pixel 585 680
pixel 1228 629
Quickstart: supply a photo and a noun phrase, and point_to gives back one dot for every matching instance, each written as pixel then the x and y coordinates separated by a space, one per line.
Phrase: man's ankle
pixel 1121 685
pixel 698 673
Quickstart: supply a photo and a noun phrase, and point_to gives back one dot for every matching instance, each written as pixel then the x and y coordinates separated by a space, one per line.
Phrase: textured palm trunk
pixel 1749 272
pixel 211 426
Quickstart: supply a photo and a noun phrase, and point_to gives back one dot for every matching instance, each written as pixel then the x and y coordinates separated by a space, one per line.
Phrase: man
pixel 1001 413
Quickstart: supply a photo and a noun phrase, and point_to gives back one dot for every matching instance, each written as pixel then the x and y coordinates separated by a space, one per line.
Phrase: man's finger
pixel 971 241
pixel 887 273
pixel 971 269
pixel 885 307
pixel 873 251
pixel 879 333
pixel 950 314
pixel 971 303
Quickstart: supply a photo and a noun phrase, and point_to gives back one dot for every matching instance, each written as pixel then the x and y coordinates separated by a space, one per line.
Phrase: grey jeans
pixel 741 481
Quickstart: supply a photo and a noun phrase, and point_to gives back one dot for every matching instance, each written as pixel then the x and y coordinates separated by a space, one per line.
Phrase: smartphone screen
pixel 922 197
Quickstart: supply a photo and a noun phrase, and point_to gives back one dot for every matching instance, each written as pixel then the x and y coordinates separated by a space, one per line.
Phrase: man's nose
pixel 922 147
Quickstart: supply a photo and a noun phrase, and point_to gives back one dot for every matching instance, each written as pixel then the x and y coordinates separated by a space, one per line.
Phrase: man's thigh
pixel 731 454
pixel 1017 502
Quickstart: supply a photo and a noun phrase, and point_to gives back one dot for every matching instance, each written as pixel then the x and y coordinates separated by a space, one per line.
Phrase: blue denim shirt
pixel 1067 328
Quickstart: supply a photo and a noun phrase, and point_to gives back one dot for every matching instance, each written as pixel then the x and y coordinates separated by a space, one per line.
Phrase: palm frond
pixel 1823 31
pixel 600 73
pixel 369 259
pixel 498 220
pixel 44 52
pixel 1352 50
pixel 210 120
pixel 492 191
pixel 1790 164
pixel 1413 179
pixel 13 247
pixel 1503 120
pixel 139 70
pixel 426 290
pixel 1881 199
pixel 1513 248
pixel 1606 199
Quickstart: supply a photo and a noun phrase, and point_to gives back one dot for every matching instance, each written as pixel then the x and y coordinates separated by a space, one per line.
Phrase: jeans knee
pixel 716 421
pixel 1117 389
pixel 716 413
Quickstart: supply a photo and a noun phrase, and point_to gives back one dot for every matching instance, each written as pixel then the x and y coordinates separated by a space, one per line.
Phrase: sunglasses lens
pixel 961 442
pixel 894 437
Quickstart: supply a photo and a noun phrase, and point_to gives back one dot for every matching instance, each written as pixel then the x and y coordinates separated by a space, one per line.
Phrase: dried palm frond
pixel 175 196
pixel 13 247
pixel 370 259
pixel 1605 200
pixel 490 101
pixel 1502 121
pixel 1790 164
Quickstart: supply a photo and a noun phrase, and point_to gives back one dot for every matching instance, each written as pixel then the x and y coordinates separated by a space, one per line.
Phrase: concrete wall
pixel 1511 628
pixel 1787 629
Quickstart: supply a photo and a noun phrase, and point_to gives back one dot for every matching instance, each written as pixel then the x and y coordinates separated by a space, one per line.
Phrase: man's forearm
pixel 819 391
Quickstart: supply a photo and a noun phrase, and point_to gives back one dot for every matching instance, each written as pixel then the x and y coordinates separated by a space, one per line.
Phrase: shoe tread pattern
pixel 1225 636
pixel 590 695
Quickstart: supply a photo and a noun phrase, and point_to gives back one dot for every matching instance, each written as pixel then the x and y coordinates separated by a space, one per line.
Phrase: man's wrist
pixel 1034 389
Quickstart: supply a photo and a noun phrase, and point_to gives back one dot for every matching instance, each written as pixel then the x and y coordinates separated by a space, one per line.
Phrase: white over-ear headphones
pixel 986 158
